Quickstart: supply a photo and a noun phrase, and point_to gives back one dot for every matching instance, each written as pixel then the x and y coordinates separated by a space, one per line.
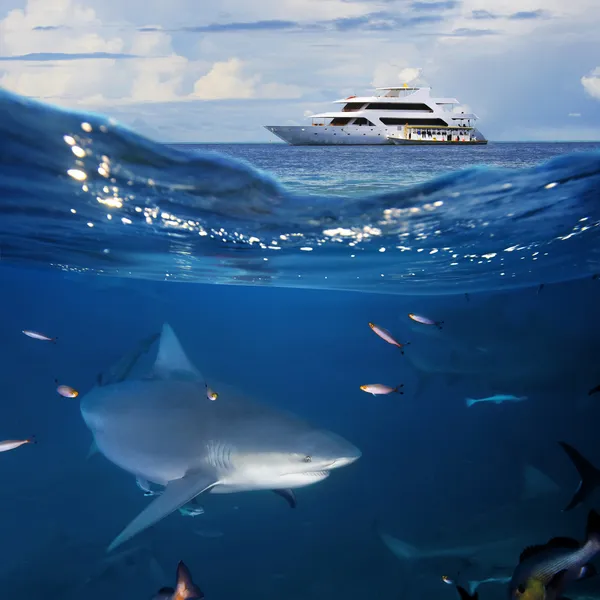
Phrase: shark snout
pixel 346 460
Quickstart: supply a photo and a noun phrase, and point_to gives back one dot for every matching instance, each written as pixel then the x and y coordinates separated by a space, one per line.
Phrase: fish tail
pixel 186 589
pixel 470 401
pixel 32 440
pixel 588 473
pixel 464 595
pixel 439 324
pixel 592 531
pixel 397 389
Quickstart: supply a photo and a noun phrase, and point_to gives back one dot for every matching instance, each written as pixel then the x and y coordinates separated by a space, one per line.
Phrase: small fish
pixel 188 511
pixel 39 336
pixel 544 571
pixel 380 389
pixel 594 390
pixel 425 320
pixel 447 580
pixel 7 445
pixel 497 399
pixel 209 533
pixel 185 588
pixel 144 485
pixel 210 394
pixel 66 391
pixel 385 335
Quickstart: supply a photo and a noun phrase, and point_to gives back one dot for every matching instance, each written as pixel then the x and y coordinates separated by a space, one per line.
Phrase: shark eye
pixel 521 589
pixel 307 458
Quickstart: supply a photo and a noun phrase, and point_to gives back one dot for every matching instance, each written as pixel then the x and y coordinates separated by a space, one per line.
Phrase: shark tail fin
pixel 186 589
pixel 589 474
pixel 470 401
pixel 464 595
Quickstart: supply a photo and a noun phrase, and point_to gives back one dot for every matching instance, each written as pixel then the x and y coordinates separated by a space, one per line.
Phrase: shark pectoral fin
pixel 171 359
pixel 176 494
pixel 93 450
pixel 288 496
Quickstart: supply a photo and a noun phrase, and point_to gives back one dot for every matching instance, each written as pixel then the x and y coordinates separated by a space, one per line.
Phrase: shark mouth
pixel 316 474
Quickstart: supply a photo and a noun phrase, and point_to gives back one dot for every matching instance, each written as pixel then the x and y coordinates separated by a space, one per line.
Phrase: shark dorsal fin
pixel 171 361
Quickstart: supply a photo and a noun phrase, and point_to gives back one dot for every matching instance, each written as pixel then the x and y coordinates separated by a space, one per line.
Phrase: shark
pixel 162 428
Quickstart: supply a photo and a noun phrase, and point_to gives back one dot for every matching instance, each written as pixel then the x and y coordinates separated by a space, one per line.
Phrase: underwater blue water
pixel 461 235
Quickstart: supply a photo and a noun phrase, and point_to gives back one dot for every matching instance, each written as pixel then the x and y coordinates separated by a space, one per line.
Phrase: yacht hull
pixel 311 135
pixel 299 135
pixel 397 142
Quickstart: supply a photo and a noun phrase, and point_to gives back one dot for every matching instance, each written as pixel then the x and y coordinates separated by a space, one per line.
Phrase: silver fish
pixel 425 320
pixel 7 445
pixel 36 335
pixel 380 389
pixel 385 335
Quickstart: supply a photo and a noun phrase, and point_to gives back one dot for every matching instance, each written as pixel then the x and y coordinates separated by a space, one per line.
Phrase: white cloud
pixel 176 87
pixel 591 83
pixel 156 74
pixel 226 80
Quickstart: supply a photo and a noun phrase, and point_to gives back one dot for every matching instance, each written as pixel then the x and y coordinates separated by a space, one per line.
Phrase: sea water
pixel 270 261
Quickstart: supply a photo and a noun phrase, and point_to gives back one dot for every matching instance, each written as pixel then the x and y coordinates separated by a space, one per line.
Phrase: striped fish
pixel 544 571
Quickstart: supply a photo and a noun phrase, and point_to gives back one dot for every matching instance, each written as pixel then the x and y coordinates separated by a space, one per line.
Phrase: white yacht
pixel 394 115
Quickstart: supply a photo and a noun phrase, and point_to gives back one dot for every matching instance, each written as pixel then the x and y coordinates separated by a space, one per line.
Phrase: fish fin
pixel 176 494
pixel 398 389
pixel 563 542
pixel 464 595
pixel 537 483
pixel 171 359
pixel 93 450
pixel 594 390
pixel 470 401
pixel 186 589
pixel 288 495
pixel 587 572
pixel 119 371
pixel 589 474
pixel 592 531
pixel 557 582
pixel 530 551
pixel 399 549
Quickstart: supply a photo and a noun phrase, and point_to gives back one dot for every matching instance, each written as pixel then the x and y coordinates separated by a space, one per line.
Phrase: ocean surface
pixel 269 262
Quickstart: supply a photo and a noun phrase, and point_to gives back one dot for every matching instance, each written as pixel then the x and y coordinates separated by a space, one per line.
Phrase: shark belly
pixel 147 430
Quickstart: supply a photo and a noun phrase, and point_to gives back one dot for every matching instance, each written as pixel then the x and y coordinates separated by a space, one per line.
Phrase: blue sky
pixel 192 70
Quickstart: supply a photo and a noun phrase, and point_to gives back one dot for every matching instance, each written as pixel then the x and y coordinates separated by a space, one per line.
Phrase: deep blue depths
pixel 433 472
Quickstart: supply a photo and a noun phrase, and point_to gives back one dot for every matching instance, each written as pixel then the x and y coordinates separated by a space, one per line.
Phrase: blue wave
pixel 79 192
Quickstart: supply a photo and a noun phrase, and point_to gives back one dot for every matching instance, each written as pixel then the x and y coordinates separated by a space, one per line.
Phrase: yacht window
pixel 352 106
pixel 401 121
pixel 338 121
pixel 398 106
pixel 362 121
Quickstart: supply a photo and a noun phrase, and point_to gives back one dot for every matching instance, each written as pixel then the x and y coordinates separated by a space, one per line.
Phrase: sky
pixel 199 71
